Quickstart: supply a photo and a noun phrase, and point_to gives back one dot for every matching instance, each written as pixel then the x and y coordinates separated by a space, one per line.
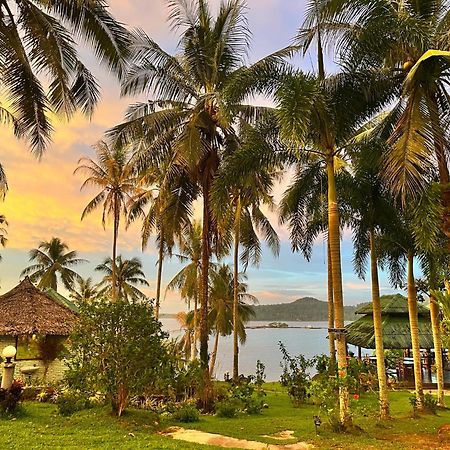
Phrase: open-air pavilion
pixel 396 332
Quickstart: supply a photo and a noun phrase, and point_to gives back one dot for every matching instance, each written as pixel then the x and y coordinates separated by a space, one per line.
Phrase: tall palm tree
pixel 41 37
pixel 128 275
pixel 188 279
pixel 85 291
pixel 198 97
pixel 53 260
pixel 241 201
pixel 373 213
pixel 165 206
pixel 112 172
pixel 186 322
pixel 223 320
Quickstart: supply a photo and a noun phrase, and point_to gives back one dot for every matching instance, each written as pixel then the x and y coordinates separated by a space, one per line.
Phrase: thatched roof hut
pixel 26 310
pixel 395 324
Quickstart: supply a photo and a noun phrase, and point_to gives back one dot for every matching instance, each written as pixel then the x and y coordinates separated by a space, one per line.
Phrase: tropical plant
pixel 187 340
pixel 85 291
pixel 3 232
pixel 241 201
pixel 169 203
pixel 188 279
pixel 112 172
pixel 221 316
pixel 128 275
pixel 53 260
pixel 199 96
pixel 38 38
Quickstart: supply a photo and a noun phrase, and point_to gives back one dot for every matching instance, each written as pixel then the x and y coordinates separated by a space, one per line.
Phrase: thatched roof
pixel 393 304
pixel 27 310
pixel 395 325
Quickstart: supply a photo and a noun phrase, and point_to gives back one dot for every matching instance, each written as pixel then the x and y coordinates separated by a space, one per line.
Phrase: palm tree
pixel 112 172
pixel 85 291
pixel 127 275
pixel 304 210
pixel 40 38
pixel 241 200
pixel 199 95
pixel 188 279
pixel 52 259
pixel 222 315
pixel 169 204
pixel 186 322
pixel 373 213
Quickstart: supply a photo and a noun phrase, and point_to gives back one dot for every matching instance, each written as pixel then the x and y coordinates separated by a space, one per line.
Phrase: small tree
pixel 117 348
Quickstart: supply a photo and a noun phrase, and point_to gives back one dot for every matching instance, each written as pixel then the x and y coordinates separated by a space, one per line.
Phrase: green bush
pixel 10 399
pixel 228 408
pixel 70 402
pixel 187 413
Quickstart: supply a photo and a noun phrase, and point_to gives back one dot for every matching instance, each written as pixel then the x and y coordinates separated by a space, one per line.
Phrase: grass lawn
pixel 41 427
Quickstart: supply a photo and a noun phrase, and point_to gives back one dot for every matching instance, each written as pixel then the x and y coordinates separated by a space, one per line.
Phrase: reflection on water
pixel 262 344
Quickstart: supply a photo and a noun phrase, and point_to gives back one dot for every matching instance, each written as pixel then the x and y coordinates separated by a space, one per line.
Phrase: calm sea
pixel 262 344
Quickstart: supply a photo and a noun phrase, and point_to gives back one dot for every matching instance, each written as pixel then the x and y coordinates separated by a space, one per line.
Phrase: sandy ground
pixel 200 437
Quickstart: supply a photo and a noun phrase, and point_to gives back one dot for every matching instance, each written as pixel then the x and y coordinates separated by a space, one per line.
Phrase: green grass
pixel 40 426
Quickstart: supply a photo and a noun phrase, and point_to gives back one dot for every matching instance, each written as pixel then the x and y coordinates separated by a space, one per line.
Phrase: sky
pixel 44 198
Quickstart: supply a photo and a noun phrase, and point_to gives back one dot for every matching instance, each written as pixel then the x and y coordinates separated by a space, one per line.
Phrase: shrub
pixel 295 376
pixel 228 408
pixel 117 348
pixel 10 398
pixel 430 404
pixel 69 403
pixel 187 413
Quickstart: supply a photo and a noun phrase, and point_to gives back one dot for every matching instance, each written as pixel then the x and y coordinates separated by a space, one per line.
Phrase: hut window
pixel 27 347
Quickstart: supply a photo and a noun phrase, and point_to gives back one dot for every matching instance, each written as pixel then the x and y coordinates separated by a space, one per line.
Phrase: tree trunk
pixel 437 342
pixel 214 355
pixel 237 237
pixel 338 300
pixel 413 324
pixel 159 276
pixel 194 338
pixel 378 330
pixel 114 249
pixel 204 279
pixel 331 338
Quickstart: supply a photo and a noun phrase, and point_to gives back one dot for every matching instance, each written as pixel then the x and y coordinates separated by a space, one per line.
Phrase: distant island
pixel 306 309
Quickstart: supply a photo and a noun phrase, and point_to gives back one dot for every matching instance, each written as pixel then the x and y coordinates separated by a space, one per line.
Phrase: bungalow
pixel 37 323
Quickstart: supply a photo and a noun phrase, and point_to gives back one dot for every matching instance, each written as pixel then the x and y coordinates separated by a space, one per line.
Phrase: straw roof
pixel 27 310
pixel 395 325
pixel 393 304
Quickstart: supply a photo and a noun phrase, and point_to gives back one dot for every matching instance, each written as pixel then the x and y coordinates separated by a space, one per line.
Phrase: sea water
pixel 308 339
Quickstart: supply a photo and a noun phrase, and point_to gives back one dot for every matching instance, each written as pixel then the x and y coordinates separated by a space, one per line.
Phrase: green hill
pixel 304 309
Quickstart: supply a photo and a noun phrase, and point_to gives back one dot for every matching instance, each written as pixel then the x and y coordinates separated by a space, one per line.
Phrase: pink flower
pixel 356 396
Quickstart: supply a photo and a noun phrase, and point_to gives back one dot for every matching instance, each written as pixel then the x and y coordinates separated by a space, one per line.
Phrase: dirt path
pixel 200 437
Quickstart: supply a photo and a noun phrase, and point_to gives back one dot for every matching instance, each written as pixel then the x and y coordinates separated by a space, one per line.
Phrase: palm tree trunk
pixel 194 337
pixel 331 338
pixel 378 330
pixel 413 325
pixel 204 279
pixel 237 238
pixel 159 275
pixel 437 342
pixel 338 300
pixel 114 249
pixel 214 355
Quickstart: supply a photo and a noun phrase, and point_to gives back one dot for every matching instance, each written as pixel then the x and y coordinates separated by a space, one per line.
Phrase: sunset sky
pixel 44 199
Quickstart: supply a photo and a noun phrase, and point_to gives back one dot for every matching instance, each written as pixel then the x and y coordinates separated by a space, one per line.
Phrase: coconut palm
pixel 198 97
pixel 52 262
pixel 128 276
pixel 188 279
pixel 186 322
pixel 40 37
pixel 85 291
pixel 221 316
pixel 241 201
pixel 112 172
pixel 373 213
pixel 164 206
